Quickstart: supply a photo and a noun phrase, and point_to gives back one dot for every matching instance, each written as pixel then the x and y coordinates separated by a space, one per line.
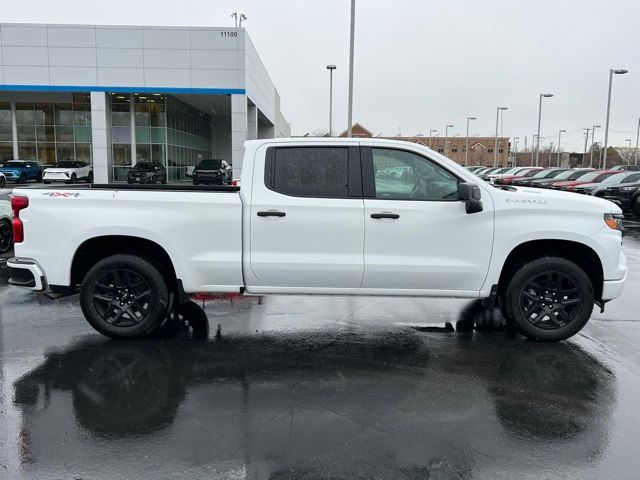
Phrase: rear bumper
pixel 27 274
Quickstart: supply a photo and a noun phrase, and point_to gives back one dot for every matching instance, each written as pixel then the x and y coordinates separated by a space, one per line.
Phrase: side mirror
pixel 470 194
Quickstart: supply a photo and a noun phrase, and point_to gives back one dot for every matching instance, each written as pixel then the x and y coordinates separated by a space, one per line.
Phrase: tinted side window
pixel 309 171
pixel 402 175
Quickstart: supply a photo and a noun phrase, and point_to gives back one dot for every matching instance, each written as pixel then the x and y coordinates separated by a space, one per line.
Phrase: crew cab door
pixel 418 236
pixel 307 227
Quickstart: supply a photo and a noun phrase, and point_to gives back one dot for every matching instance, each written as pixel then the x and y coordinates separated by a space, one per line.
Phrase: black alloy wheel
pixel 122 297
pixel 548 299
pixel 125 296
pixel 6 236
pixel 3 182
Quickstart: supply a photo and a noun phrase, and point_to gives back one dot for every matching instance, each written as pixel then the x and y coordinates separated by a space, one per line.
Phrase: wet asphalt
pixel 319 388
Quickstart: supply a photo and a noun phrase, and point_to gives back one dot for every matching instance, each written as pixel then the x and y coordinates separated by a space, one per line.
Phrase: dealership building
pixel 116 95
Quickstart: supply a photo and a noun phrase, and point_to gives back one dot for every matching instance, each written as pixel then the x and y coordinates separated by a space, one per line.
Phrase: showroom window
pixel 6 140
pixel 53 132
pixel 309 172
pixel 403 175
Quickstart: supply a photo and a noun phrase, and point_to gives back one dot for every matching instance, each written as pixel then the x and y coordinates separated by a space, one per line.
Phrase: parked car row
pixel 620 184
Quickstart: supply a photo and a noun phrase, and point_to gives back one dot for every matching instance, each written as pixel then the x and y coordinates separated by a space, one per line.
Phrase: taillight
pixel 18 203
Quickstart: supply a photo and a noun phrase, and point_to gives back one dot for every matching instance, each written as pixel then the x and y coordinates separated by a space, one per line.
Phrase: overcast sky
pixel 420 64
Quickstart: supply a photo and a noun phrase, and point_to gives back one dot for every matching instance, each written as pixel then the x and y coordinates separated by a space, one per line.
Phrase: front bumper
pixel 27 274
pixel 613 288
pixel 55 176
pixel 208 178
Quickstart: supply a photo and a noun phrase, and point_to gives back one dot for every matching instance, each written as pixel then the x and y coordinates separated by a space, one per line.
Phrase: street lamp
pixel 637 138
pixel 533 150
pixel 593 139
pixel 560 132
pixel 629 148
pixel 431 132
pixel 495 149
pixel 542 95
pixel 515 151
pixel 616 71
pixel 446 136
pixel 466 147
pixel 351 37
pixel 331 68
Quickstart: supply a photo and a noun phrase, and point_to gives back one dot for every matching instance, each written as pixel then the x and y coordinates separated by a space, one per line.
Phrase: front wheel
pixel 125 296
pixel 39 177
pixel 636 208
pixel 549 299
pixel 22 178
pixel 90 177
pixel 3 182
pixel 73 178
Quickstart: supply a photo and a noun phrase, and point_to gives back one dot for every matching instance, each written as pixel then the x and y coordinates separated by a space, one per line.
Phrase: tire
pixel 46 182
pixel 22 178
pixel 534 303
pixel 196 182
pixel 130 182
pixel 164 181
pixel 39 177
pixel 3 182
pixel 90 177
pixel 6 236
pixel 125 296
pixel 636 208
pixel 73 179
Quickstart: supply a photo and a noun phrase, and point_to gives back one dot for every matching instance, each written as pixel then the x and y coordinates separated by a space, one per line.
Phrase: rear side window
pixel 309 171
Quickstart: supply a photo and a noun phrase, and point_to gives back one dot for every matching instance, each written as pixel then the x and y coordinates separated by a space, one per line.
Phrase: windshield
pixel 541 174
pixel 568 175
pixel 590 176
pixel 532 173
pixel 66 164
pixel 620 178
pixel 14 163
pixel 578 175
pixel 144 166
pixel 210 165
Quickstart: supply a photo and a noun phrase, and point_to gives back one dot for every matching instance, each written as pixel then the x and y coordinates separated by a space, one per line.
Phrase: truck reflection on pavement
pixel 315 404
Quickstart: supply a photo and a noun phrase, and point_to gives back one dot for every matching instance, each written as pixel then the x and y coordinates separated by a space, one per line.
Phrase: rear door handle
pixel 271 213
pixel 394 216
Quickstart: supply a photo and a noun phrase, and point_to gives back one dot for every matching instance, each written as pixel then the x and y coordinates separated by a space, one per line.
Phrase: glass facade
pixel 49 132
pixel 166 130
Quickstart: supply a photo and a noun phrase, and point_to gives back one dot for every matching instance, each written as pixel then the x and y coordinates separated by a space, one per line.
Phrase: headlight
pixel 628 189
pixel 614 220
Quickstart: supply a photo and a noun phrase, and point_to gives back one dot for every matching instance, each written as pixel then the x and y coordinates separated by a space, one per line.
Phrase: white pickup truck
pixel 323 217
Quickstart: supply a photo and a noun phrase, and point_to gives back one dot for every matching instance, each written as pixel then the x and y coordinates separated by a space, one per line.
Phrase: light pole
pixel 617 71
pixel 353 25
pixel 542 95
pixel 466 143
pixel 515 151
pixel 446 136
pixel 495 147
pixel 629 149
pixel 637 138
pixel 533 150
pixel 431 132
pixel 331 68
pixel 560 132
pixel 593 139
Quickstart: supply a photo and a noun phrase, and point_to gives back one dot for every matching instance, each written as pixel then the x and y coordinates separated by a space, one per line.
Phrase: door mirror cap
pixel 470 194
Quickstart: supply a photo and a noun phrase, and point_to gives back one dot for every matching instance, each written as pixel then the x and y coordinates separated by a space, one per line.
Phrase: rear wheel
pixel 549 299
pixel 39 177
pixel 6 236
pixel 3 181
pixel 22 178
pixel 636 208
pixel 125 296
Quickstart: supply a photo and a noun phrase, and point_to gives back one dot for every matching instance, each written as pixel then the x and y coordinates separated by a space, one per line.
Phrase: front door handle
pixel 394 216
pixel 271 213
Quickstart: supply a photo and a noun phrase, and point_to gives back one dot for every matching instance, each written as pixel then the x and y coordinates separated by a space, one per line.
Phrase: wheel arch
pixel 96 248
pixel 579 253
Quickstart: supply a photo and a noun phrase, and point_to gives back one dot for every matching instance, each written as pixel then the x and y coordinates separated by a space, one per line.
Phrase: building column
pixel 14 131
pixel 238 131
pixel 132 126
pixel 252 122
pixel 101 138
